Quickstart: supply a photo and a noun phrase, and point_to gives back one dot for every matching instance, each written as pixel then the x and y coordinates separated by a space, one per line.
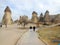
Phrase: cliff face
pixel 57 18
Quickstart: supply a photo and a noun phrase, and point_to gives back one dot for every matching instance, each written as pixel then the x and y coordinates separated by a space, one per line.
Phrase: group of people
pixel 33 28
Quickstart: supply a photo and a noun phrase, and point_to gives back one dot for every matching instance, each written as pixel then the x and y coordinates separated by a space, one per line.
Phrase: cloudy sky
pixel 26 7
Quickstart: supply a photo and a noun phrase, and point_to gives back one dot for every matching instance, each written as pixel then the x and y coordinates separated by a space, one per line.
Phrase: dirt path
pixel 30 38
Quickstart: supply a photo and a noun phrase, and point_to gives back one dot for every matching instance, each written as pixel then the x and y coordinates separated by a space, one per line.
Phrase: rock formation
pixel 47 17
pixel 57 18
pixel 23 19
pixel 34 17
pixel 41 18
pixel 7 16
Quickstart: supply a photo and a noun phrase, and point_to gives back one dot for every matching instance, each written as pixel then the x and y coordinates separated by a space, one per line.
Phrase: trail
pixel 30 38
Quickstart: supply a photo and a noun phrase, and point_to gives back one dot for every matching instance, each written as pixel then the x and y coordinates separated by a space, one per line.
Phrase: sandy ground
pixel 10 35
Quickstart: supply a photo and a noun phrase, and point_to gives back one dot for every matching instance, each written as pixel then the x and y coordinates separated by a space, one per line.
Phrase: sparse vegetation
pixel 50 34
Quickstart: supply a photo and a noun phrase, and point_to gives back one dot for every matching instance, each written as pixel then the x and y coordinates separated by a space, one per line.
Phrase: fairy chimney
pixel 41 18
pixel 7 16
pixel 47 17
pixel 34 17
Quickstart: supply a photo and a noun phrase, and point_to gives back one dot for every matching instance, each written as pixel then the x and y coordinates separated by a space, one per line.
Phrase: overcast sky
pixel 26 7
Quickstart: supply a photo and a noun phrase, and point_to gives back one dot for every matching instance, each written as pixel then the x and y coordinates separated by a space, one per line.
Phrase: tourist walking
pixel 30 28
pixel 34 28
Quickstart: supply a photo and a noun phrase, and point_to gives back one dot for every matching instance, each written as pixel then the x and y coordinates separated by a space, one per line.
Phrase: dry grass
pixel 48 34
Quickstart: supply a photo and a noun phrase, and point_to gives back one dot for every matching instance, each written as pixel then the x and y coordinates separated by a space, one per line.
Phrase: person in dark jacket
pixel 0 24
pixel 34 28
pixel 30 27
